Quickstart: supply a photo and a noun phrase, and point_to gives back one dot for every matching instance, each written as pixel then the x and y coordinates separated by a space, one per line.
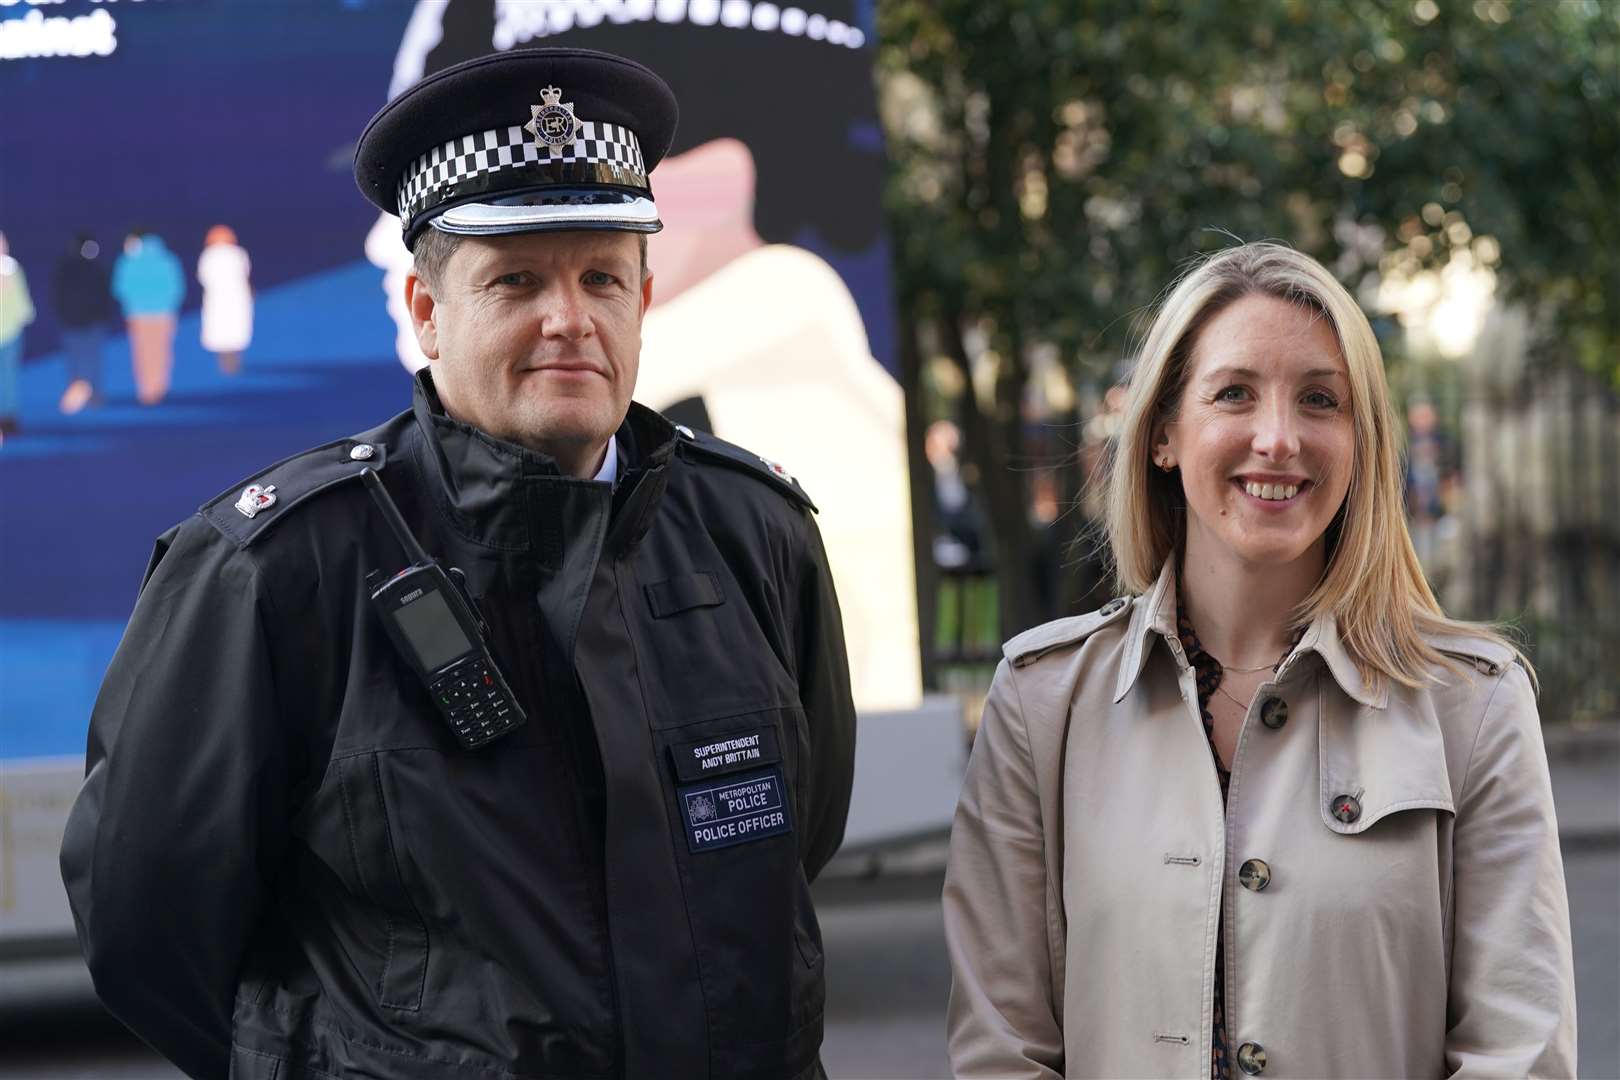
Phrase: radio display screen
pixel 432 630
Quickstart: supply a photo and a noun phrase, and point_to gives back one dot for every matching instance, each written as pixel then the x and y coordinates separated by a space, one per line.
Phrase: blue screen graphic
pixel 185 115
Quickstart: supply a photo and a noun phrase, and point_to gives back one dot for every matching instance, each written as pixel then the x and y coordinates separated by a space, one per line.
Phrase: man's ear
pixel 419 302
pixel 646 291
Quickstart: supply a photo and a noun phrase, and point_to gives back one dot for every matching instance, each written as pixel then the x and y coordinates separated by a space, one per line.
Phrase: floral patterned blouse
pixel 1208 672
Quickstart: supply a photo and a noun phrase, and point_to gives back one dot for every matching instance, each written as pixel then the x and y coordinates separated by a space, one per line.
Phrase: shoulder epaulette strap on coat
pixel 245 512
pixel 1033 644
pixel 708 448
pixel 1484 655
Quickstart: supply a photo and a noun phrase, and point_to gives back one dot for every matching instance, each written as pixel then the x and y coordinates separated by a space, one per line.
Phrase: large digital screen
pixel 211 292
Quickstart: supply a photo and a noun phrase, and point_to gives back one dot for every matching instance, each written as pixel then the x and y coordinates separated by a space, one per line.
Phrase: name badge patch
pixel 735 810
pixel 726 753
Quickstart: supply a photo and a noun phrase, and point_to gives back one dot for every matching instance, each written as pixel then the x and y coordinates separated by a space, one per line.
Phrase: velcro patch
pixel 719 814
pixel 725 753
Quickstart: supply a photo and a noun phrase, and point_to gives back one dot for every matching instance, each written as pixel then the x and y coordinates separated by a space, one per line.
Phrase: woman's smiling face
pixel 1263 434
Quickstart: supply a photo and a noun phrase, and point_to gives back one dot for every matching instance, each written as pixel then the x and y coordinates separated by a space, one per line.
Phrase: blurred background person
pixel 958 540
pixel 150 287
pixel 227 306
pixel 16 312
pixel 1430 473
pixel 81 292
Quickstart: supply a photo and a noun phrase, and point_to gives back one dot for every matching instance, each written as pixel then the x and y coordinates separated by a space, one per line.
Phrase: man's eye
pixel 516 277
pixel 599 277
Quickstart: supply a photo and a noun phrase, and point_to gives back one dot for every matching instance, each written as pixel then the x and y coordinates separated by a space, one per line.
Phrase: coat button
pixel 1254 874
pixel 363 452
pixel 1346 808
pixel 1251 1058
pixel 1274 712
pixel 1112 606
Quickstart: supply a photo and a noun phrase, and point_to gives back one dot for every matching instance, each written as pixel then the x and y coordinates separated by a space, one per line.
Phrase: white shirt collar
pixel 609 472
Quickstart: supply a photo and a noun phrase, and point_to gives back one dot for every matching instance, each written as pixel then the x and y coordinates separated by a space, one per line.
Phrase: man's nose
pixel 1276 433
pixel 564 314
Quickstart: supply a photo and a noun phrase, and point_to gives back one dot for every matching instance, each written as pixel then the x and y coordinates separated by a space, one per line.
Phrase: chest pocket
pixel 1378 763
pixel 678 594
pixel 709 649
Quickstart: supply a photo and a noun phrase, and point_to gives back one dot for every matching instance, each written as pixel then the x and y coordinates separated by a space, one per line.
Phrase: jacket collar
pixel 488 486
pixel 1154 617
pixel 1322 638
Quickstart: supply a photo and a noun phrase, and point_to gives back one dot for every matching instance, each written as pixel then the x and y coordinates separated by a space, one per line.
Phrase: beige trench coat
pixel 1414 923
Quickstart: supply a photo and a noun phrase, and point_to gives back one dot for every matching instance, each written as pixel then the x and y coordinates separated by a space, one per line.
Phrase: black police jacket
pixel 283 864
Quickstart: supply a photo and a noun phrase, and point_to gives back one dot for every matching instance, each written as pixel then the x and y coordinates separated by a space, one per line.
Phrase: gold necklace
pixel 1244 705
pixel 1239 670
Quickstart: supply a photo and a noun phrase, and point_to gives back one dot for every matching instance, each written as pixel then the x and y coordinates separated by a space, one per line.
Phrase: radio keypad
pixel 478 708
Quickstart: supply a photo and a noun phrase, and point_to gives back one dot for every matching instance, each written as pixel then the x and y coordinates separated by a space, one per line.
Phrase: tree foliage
pixel 1056 162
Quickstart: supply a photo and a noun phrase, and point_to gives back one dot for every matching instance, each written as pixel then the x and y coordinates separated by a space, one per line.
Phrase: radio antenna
pixel 390 513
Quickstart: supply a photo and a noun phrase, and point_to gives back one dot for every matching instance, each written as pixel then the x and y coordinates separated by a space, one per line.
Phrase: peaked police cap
pixel 522 141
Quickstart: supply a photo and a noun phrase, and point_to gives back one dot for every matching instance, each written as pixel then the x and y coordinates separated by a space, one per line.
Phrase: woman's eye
pixel 514 278
pixel 1321 399
pixel 1232 393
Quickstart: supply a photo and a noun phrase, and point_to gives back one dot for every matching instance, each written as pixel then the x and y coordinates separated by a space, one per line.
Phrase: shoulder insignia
pixel 246 512
pixel 706 447
pixel 1484 655
pixel 1033 644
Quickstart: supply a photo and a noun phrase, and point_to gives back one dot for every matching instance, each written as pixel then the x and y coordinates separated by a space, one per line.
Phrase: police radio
pixel 436 629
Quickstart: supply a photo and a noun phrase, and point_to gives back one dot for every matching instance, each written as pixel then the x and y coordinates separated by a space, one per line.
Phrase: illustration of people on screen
pixel 81 292
pixel 227 305
pixel 150 287
pixel 16 312
pixel 752 335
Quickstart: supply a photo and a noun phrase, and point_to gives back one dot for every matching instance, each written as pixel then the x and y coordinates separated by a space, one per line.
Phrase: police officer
pixel 285 863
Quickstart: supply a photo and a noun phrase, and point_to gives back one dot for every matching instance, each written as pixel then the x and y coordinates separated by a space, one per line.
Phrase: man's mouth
pixel 569 367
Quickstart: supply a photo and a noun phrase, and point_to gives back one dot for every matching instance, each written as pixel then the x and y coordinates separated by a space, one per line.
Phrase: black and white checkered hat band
pixel 612 151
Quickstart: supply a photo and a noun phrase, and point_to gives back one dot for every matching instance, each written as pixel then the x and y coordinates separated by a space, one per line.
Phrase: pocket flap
pixel 678 594
pixel 1377 762
pixel 725 753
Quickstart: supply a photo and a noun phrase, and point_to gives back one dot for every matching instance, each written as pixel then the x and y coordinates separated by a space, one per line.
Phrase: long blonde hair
pixel 1373 584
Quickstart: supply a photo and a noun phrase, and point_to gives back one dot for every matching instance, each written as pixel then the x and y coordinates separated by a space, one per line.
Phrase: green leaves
pixel 1056 161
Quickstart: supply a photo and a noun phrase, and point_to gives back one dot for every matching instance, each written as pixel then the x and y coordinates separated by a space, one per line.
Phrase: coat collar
pixel 1322 638
pixel 488 486
pixel 1154 617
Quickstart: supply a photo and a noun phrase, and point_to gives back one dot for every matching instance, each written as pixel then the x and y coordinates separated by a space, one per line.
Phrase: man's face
pixel 535 338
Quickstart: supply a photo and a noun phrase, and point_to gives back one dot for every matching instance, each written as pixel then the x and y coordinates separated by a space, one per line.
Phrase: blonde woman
pixel 1276 814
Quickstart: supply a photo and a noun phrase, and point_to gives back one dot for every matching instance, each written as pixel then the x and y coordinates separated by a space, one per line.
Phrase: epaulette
pixel 245 512
pixel 1484 655
pixel 1033 644
pixel 709 448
